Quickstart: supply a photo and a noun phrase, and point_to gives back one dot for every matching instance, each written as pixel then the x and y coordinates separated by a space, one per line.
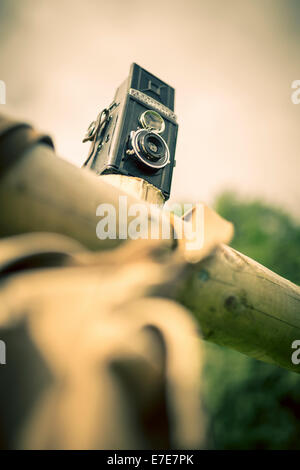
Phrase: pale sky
pixel 231 62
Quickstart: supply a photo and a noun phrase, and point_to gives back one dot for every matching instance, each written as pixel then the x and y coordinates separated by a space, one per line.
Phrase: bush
pixel 253 405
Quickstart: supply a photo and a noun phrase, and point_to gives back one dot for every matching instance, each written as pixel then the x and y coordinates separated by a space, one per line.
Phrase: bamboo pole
pixel 43 193
pixel 245 306
pixel 238 303
pixel 137 187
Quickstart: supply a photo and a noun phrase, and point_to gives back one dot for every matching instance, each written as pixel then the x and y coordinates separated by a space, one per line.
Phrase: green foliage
pixel 253 405
pixel 264 233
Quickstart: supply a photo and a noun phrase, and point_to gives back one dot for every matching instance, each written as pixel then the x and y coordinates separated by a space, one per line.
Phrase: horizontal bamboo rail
pixel 238 303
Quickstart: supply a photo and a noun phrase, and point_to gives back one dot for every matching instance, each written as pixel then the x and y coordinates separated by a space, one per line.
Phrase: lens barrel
pixel 150 148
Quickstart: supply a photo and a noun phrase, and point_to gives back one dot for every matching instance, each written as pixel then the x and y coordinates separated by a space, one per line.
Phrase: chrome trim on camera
pixel 152 102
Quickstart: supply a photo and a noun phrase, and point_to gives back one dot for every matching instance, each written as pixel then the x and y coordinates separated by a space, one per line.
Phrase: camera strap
pixel 95 130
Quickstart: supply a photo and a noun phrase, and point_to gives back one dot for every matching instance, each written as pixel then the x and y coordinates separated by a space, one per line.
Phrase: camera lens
pixel 153 146
pixel 150 148
pixel 152 120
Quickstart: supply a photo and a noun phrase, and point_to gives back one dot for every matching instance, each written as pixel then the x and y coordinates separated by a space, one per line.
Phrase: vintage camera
pixel 136 135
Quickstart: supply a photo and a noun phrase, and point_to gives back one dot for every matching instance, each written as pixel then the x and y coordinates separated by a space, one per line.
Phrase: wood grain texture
pixel 245 306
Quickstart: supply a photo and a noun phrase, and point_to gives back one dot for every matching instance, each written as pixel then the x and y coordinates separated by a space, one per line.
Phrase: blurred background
pixel 253 405
pixel 232 64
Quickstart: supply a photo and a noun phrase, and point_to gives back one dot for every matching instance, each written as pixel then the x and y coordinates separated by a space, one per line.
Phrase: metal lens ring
pixel 150 148
pixel 152 120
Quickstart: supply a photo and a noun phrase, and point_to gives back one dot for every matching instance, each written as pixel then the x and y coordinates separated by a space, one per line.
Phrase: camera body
pixel 136 135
